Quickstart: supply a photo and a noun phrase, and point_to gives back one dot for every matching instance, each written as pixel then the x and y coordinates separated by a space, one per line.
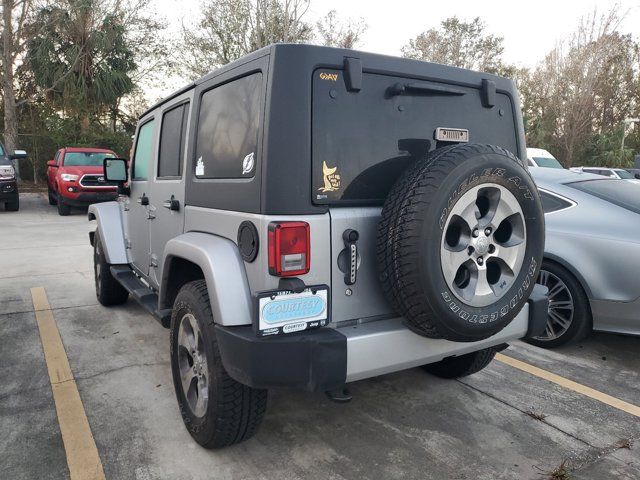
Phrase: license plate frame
pixel 291 311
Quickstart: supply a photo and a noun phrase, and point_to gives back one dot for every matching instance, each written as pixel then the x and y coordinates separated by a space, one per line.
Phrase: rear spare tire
pixel 460 242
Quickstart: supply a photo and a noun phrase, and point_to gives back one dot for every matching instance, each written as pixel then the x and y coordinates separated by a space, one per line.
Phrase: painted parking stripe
pixel 570 384
pixel 80 448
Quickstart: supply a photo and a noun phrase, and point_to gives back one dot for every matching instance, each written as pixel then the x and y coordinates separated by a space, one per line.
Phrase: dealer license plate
pixel 285 311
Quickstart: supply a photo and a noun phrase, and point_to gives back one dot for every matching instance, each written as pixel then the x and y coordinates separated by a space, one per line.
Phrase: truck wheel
pixel 456 367
pixel 569 316
pixel 460 242
pixel 217 410
pixel 52 197
pixel 63 209
pixel 108 289
pixel 12 206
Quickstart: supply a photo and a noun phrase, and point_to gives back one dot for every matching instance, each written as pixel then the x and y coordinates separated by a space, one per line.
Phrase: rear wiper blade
pixel 418 88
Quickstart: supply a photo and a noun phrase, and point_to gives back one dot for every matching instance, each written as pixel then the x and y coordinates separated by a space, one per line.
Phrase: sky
pixel 530 29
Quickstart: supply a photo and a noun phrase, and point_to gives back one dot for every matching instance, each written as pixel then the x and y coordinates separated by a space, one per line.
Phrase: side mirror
pixel 115 170
pixel 18 154
pixel 52 163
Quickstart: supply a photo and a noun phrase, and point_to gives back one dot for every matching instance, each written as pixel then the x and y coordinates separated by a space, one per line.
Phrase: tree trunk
pixel 9 97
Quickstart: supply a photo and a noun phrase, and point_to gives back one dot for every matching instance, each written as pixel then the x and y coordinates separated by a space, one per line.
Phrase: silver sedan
pixel 592 255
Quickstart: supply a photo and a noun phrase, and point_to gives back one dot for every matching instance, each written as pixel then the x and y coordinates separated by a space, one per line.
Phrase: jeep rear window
pixel 362 141
pixel 227 139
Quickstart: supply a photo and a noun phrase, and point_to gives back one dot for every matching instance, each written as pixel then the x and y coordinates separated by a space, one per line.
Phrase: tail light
pixel 289 248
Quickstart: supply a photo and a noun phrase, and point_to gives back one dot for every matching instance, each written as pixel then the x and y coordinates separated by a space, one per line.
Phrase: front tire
pixel 462 366
pixel 63 209
pixel 12 206
pixel 569 316
pixel 217 410
pixel 52 197
pixel 108 289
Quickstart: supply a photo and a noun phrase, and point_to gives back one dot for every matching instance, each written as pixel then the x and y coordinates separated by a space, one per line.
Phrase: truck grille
pixel 96 181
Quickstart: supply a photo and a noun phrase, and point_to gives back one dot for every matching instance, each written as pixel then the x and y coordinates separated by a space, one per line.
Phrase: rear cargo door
pixel 362 141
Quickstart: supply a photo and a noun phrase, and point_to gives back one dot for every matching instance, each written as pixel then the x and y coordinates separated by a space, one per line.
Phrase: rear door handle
pixel 172 204
pixel 143 200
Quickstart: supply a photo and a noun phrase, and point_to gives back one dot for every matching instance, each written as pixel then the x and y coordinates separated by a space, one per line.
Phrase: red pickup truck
pixel 75 178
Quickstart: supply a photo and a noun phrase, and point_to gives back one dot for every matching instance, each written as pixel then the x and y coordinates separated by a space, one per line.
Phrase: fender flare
pixel 223 269
pixel 111 231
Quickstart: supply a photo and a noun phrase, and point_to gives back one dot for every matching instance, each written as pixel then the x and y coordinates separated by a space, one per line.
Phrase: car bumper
pixel 328 358
pixel 8 190
pixel 84 199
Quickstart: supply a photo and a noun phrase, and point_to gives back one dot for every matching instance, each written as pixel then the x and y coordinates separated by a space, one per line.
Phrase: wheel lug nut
pixel 487 231
pixel 475 232
pixel 480 261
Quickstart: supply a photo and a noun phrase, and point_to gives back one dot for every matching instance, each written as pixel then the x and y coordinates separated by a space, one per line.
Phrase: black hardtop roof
pixel 330 57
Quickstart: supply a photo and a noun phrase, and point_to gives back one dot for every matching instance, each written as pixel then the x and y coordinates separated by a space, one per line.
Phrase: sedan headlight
pixel 7 171
pixel 67 177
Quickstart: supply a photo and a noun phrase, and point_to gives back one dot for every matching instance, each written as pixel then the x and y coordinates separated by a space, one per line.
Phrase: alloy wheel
pixel 483 245
pixel 192 362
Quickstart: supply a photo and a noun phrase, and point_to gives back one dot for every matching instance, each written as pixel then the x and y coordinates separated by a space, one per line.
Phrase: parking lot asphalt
pixel 500 423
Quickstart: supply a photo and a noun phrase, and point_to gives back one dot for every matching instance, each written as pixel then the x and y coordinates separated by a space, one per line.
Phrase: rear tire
pixel 108 289
pixel 63 209
pixel 462 366
pixel 217 410
pixel 12 206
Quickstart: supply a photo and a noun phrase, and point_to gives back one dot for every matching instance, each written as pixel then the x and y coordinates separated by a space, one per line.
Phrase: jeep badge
pixel 458 135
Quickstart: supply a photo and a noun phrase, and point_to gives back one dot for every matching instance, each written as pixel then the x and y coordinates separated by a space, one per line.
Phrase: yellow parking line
pixel 80 448
pixel 570 384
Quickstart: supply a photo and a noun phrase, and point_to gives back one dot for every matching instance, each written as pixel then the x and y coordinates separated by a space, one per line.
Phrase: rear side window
pixel 144 149
pixel 619 192
pixel 227 138
pixel 172 141
pixel 553 203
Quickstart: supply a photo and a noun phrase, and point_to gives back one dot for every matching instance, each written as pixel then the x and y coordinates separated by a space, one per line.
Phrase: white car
pixel 539 157
pixel 618 173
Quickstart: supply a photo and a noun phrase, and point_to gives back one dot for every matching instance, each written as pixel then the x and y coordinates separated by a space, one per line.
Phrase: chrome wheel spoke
pixel 187 375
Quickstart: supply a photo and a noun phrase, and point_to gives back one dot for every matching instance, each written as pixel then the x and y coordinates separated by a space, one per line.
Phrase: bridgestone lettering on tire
pixel 460 242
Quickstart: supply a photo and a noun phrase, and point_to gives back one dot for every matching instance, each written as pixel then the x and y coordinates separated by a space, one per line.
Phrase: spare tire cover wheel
pixel 461 242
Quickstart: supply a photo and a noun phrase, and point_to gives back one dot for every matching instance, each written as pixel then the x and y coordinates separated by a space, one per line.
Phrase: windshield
pixel 547 162
pixel 624 174
pixel 623 194
pixel 94 159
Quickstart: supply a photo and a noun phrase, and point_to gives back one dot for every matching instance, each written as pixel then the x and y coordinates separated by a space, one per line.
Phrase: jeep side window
pixel 172 141
pixel 227 139
pixel 142 155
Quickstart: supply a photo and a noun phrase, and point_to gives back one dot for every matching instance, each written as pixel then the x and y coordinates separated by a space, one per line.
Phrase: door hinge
pixel 127 244
pixel 154 261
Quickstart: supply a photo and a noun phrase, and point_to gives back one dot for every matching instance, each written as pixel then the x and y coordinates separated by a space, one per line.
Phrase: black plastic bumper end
pixel 538 311
pixel 315 360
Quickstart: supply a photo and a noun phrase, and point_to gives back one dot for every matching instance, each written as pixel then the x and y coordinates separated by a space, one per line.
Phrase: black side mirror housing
pixel 18 154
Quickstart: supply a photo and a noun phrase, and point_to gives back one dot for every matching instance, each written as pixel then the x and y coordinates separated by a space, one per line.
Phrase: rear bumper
pixel 327 358
pixel 84 199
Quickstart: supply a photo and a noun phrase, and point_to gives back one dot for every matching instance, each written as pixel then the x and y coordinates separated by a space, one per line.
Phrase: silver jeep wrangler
pixel 307 217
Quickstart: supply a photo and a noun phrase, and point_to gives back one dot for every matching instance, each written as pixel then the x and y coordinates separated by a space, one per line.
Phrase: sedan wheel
pixel 561 308
pixel 569 314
